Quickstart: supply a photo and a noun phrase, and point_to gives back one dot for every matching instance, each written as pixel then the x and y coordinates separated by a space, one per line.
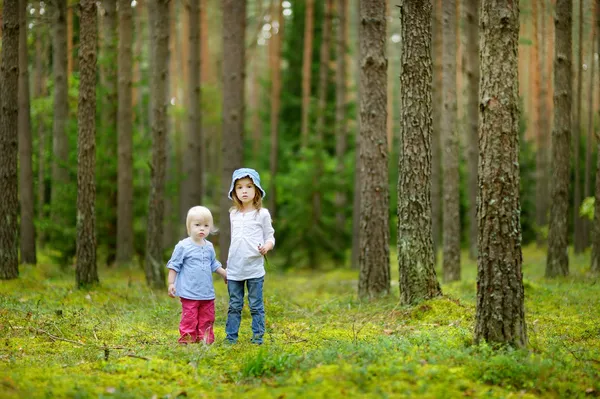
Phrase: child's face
pixel 245 190
pixel 198 229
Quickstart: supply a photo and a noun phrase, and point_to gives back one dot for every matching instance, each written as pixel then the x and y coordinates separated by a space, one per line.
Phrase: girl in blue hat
pixel 251 238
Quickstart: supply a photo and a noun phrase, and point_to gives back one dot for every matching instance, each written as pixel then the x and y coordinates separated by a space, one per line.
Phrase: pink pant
pixel 197 319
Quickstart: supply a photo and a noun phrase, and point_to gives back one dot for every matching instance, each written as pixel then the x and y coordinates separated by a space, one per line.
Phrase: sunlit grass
pixel 120 339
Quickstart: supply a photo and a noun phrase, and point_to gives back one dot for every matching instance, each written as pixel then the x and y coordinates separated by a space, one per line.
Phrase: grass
pixel 119 340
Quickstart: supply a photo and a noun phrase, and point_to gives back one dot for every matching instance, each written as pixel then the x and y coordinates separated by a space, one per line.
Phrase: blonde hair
pixel 256 201
pixel 202 214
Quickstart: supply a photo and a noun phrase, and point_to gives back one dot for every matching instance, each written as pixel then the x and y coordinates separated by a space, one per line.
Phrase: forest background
pixel 294 123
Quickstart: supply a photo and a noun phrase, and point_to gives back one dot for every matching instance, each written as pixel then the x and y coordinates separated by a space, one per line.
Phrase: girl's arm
pixel 268 233
pixel 171 280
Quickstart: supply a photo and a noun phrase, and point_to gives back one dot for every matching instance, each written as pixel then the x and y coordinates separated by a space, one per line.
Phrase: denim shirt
pixel 194 265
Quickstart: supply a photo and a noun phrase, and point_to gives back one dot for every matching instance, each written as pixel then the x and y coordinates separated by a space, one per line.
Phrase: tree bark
pixel 374 256
pixel 341 139
pixel 306 70
pixel 451 201
pixel 60 140
pixel 418 280
pixel 154 267
pixel 86 269
pixel 192 183
pixel 541 190
pixel 436 137
pixel 500 315
pixel 234 27
pixel 576 131
pixel 27 237
pixel 472 23
pixel 557 262
pixel 125 135
pixel 595 267
pixel 275 104
pixel 9 202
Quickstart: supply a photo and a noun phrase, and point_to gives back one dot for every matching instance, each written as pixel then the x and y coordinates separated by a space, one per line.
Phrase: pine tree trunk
pixel 306 70
pixel 27 237
pixel 108 170
pixel 191 186
pixel 341 138
pixel 234 27
pixel 577 124
pixel 323 71
pixel 500 314
pixel 86 269
pixel 436 136
pixel 9 114
pixel 374 256
pixel 450 212
pixel 472 28
pixel 418 280
pixel 595 267
pixel 557 262
pixel 154 267
pixel 541 190
pixel 60 140
pixel 125 136
pixel 69 41
pixel 275 104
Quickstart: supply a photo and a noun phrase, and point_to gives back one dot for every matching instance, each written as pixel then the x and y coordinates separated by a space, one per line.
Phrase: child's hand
pixel 263 249
pixel 172 290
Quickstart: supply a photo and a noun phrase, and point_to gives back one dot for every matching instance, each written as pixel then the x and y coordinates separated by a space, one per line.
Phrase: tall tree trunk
pixel 374 255
pixel 590 127
pixel 306 70
pixel 60 140
pixel 541 159
pixel 9 114
pixel 255 89
pixel 155 274
pixel 341 139
pixel 451 202
pixel 436 136
pixel 125 136
pixel 472 30
pixel 275 103
pixel 192 182
pixel 500 314
pixel 234 28
pixel 595 267
pixel 86 269
pixel 69 41
pixel 577 124
pixel 418 280
pixel 108 169
pixel 27 237
pixel 557 262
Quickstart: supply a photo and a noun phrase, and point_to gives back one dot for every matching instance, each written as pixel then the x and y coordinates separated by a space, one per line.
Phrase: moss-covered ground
pixel 119 340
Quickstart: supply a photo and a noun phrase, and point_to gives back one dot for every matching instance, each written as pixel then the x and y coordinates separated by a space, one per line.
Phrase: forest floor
pixel 119 340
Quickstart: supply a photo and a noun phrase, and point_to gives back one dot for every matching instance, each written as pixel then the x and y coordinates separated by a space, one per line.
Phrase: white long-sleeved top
pixel 248 230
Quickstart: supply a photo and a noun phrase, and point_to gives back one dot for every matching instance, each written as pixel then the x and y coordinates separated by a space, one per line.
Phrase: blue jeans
pixel 236 303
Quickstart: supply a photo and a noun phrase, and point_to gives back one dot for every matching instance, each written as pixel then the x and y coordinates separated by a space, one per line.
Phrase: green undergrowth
pixel 119 340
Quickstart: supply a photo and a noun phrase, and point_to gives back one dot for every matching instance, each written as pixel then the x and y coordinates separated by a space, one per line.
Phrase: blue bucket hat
pixel 246 172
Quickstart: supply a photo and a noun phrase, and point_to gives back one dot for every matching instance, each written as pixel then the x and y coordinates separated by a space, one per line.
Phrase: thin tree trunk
pixel 451 215
pixel 541 191
pixel 472 22
pixel 9 114
pixel 577 124
pixel 86 269
pixel 154 267
pixel 69 41
pixel 436 137
pixel 340 113
pixel 324 71
pixel 234 27
pixel 306 70
pixel 275 103
pixel 418 280
pixel 27 237
pixel 557 262
pixel 192 184
pixel 60 140
pixel 500 314
pixel 374 256
pixel 125 136
pixel 595 263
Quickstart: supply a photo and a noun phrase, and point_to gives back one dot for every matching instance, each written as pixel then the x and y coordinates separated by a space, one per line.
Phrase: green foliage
pixel 587 208
pixel 119 340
